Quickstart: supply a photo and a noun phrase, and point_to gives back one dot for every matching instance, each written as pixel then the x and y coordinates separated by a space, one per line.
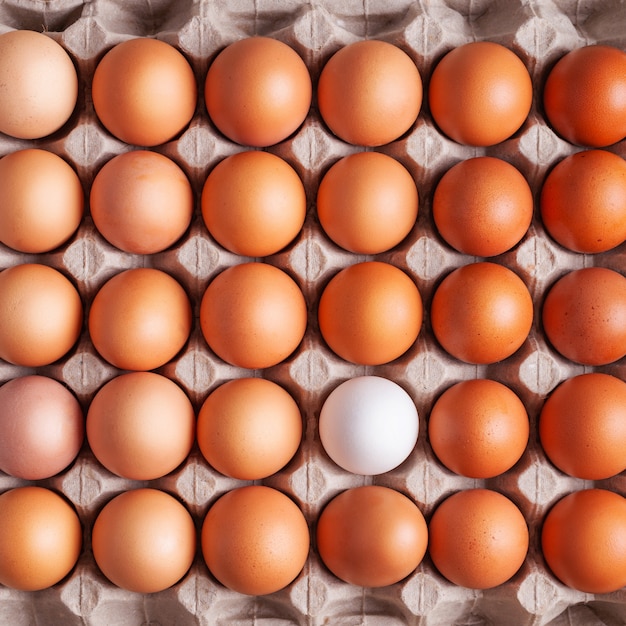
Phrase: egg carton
pixel 540 32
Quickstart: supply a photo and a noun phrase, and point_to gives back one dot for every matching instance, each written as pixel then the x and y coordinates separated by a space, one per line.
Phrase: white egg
pixel 368 425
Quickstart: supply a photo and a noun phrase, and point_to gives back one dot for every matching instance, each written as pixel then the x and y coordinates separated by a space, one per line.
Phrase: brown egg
pixel 482 206
pixel 583 96
pixel 41 427
pixel 144 540
pixel 367 202
pixel 369 93
pixel 249 428
pixel 40 538
pixel 583 540
pixel 253 315
pixel 141 202
pixel 583 201
pixel 478 538
pixel 140 319
pixel 253 203
pixel 478 428
pixel 371 536
pixel 144 91
pixel 41 315
pixel 480 93
pixel 38 85
pixel 255 540
pixel 258 91
pixel 370 313
pixel 481 313
pixel 583 316
pixel 582 426
pixel 141 425
pixel 42 201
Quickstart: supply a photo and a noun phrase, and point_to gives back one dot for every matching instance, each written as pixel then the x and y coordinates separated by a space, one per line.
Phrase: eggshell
pixel 368 425
pixel 478 538
pixel 255 540
pixel 371 536
pixel 258 91
pixel 140 319
pixel 40 538
pixel 249 428
pixel 583 315
pixel 480 93
pixel 41 315
pixel 583 540
pixel 38 85
pixel 144 540
pixel 370 313
pixel 42 200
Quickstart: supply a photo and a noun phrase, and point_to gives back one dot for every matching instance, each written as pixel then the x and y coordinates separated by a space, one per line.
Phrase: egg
pixel 253 203
pixel 144 540
pixel 141 202
pixel 371 536
pixel 368 425
pixel 583 201
pixel 481 313
pixel 582 540
pixel 258 91
pixel 144 91
pixel 141 425
pixel 253 315
pixel 42 200
pixel 480 93
pixel 255 540
pixel 370 313
pixel 140 319
pixel 41 427
pixel 41 315
pixel 478 538
pixel 583 315
pixel 249 428
pixel 478 428
pixel 583 96
pixel 41 538
pixel 483 206
pixel 367 202
pixel 582 426
pixel 38 85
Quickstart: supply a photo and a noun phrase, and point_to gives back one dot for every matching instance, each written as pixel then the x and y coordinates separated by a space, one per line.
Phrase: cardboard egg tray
pixel 540 32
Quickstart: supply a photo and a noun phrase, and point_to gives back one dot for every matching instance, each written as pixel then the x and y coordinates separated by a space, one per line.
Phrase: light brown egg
pixel 258 91
pixel 480 93
pixel 249 428
pixel 41 427
pixel 141 425
pixel 253 203
pixel 255 540
pixel 583 315
pixel 42 201
pixel 369 93
pixel 367 202
pixel 41 315
pixel 141 202
pixel 140 319
pixel 371 536
pixel 40 538
pixel 253 315
pixel 144 540
pixel 38 85
pixel 481 313
pixel 478 538
pixel 144 91
pixel 370 313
